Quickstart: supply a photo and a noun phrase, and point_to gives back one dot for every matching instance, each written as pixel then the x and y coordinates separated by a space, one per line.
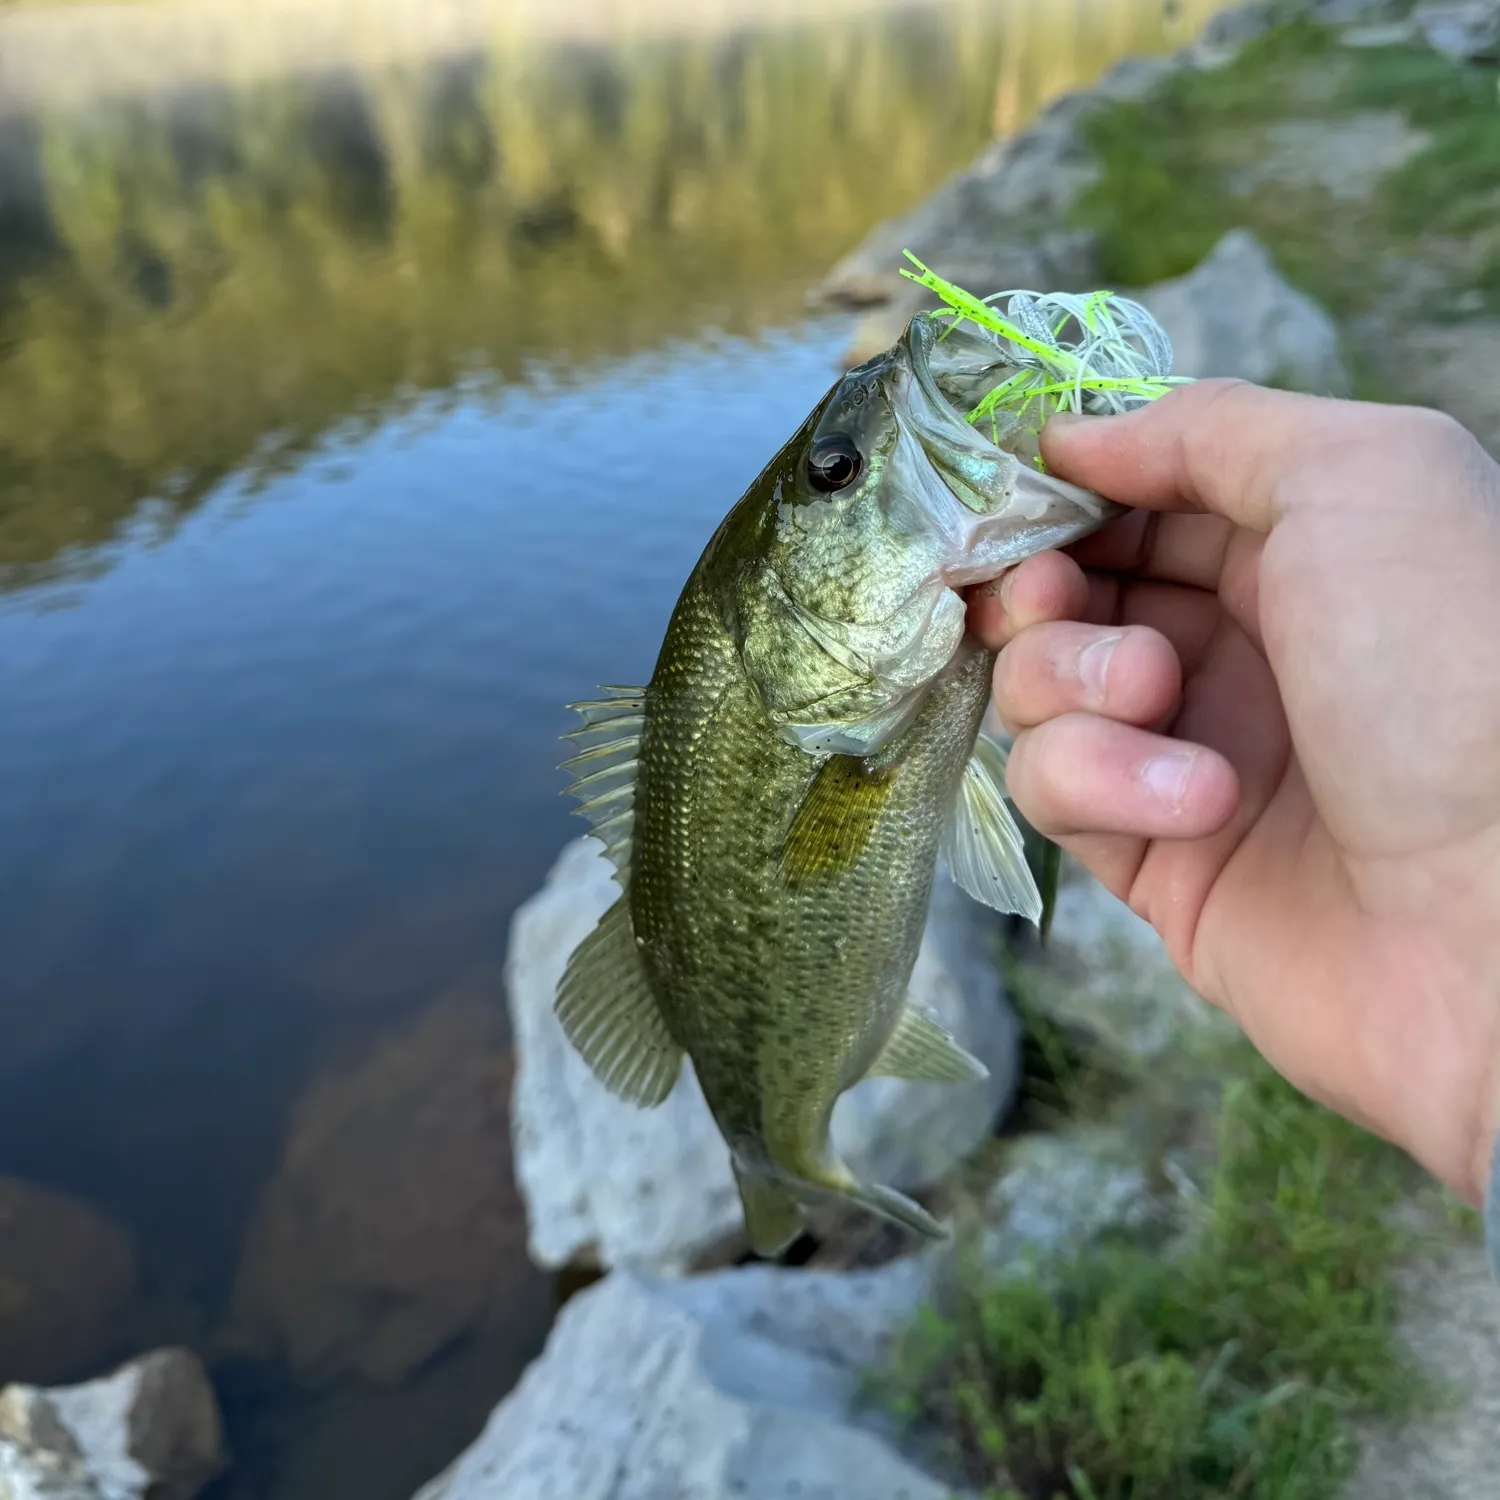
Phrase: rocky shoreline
pixel 1017 217
pixel 746 1380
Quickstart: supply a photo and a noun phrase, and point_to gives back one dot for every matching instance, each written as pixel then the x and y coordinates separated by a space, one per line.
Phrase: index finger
pixel 1242 451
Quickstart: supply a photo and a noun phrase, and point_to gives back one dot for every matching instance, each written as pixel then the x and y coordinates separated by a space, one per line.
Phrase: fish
pixel 776 799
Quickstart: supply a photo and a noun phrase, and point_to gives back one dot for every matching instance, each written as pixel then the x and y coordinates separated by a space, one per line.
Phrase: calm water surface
pixel 353 418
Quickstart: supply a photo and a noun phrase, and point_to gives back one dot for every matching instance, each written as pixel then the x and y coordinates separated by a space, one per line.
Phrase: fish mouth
pixel 944 372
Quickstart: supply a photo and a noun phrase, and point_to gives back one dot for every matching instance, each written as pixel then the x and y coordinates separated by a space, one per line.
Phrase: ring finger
pixel 1127 673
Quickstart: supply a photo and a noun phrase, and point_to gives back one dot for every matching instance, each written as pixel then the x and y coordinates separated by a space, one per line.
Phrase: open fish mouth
pixel 1009 508
pixel 944 508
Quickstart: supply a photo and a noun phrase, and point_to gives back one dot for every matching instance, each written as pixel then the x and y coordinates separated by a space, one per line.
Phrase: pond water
pixel 370 378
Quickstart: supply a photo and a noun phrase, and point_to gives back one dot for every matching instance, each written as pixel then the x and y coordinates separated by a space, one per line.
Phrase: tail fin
pixel 773 1217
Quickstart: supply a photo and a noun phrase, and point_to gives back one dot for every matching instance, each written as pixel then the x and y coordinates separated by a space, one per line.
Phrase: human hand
pixel 1277 733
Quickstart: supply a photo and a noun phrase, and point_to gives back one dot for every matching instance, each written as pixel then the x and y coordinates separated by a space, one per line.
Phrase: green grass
pixel 1451 185
pixel 1160 203
pixel 1165 193
pixel 1223 1370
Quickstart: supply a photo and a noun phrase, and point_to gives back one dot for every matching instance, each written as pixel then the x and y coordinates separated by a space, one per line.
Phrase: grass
pixel 1223 1370
pixel 1166 191
pixel 1160 202
pixel 1450 186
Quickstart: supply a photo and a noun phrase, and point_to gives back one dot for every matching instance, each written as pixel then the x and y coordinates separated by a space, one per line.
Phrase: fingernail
pixel 1166 777
pixel 1093 666
pixel 1007 581
pixel 1065 421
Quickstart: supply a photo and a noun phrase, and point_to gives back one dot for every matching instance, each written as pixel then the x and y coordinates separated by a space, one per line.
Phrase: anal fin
pixel 608 1012
pixel 773 1217
pixel 982 845
pixel 921 1050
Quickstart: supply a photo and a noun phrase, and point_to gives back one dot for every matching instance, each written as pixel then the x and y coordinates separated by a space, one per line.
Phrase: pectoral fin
pixel 982 845
pixel 606 1007
pixel 921 1050
pixel 833 826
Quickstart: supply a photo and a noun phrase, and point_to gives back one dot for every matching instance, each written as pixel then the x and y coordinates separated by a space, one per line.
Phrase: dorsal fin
pixel 608 1012
pixel 982 846
pixel 606 766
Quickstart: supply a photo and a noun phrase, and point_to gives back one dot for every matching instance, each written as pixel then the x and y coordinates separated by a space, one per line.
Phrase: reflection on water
pixel 353 417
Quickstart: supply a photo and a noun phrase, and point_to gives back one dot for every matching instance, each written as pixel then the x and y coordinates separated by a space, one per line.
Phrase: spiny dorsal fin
pixel 921 1050
pixel 607 1009
pixel 606 767
pixel 833 826
pixel 982 846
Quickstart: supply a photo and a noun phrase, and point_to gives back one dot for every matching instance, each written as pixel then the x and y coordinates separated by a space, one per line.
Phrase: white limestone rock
pixel 739 1385
pixel 1235 315
pixel 150 1431
pixel 607 1184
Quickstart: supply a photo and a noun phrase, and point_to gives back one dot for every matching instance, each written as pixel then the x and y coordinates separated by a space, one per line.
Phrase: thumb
pixel 1234 449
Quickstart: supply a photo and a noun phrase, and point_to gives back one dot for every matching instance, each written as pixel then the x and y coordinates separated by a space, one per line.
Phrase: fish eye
pixel 833 463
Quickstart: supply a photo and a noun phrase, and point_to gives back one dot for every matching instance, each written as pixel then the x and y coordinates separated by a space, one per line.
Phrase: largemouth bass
pixel 776 798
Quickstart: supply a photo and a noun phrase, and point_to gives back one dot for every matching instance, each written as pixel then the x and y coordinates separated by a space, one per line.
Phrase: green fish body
pixel 777 798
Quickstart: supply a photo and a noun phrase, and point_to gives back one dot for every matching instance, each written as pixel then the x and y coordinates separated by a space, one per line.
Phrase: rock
pixel 1061 1193
pixel 1381 34
pixel 1135 78
pixel 66 1273
pixel 1357 12
pixel 1230 29
pixel 603 1183
pixel 392 1225
pixel 1450 1323
pixel 734 1386
pixel 1107 972
pixel 150 1431
pixel 1234 314
pixel 1455 367
pixel 1464 30
pixel 610 1185
pixel 1345 158
pixel 992 226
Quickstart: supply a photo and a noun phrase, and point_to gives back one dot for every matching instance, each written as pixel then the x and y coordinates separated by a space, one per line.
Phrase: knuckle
pixel 1435 435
